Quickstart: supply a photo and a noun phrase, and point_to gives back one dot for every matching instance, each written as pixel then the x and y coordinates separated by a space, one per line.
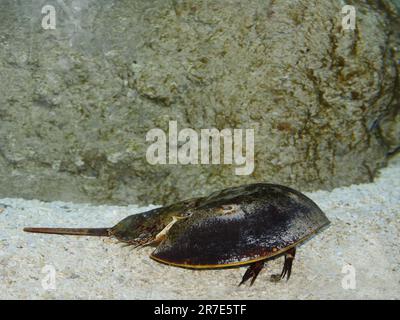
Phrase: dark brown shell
pixel 240 225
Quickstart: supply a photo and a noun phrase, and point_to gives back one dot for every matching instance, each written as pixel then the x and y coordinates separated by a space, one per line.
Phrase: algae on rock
pixel 76 102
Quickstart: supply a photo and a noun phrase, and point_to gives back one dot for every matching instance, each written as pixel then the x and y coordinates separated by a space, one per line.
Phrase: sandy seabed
pixel 357 257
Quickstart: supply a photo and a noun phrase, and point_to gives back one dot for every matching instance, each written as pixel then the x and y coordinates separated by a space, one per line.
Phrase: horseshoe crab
pixel 244 225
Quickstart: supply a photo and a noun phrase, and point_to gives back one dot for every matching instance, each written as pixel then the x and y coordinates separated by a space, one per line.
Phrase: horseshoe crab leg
pixel 287 266
pixel 252 272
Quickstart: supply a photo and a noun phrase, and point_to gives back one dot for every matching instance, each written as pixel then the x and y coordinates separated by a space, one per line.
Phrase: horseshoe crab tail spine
pixel 100 232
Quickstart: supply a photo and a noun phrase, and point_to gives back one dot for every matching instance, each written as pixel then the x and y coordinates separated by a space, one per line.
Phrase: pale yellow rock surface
pixel 76 102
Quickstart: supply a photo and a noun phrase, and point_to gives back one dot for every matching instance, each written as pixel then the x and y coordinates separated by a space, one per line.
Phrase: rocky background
pixel 76 102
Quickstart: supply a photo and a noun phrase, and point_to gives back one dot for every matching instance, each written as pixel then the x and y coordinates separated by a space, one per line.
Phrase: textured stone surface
pixel 364 234
pixel 77 102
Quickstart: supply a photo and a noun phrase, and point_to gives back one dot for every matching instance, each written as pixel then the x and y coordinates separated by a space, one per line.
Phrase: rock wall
pixel 76 102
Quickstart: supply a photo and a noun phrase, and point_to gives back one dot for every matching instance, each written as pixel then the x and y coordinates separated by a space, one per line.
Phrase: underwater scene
pixel 199 149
